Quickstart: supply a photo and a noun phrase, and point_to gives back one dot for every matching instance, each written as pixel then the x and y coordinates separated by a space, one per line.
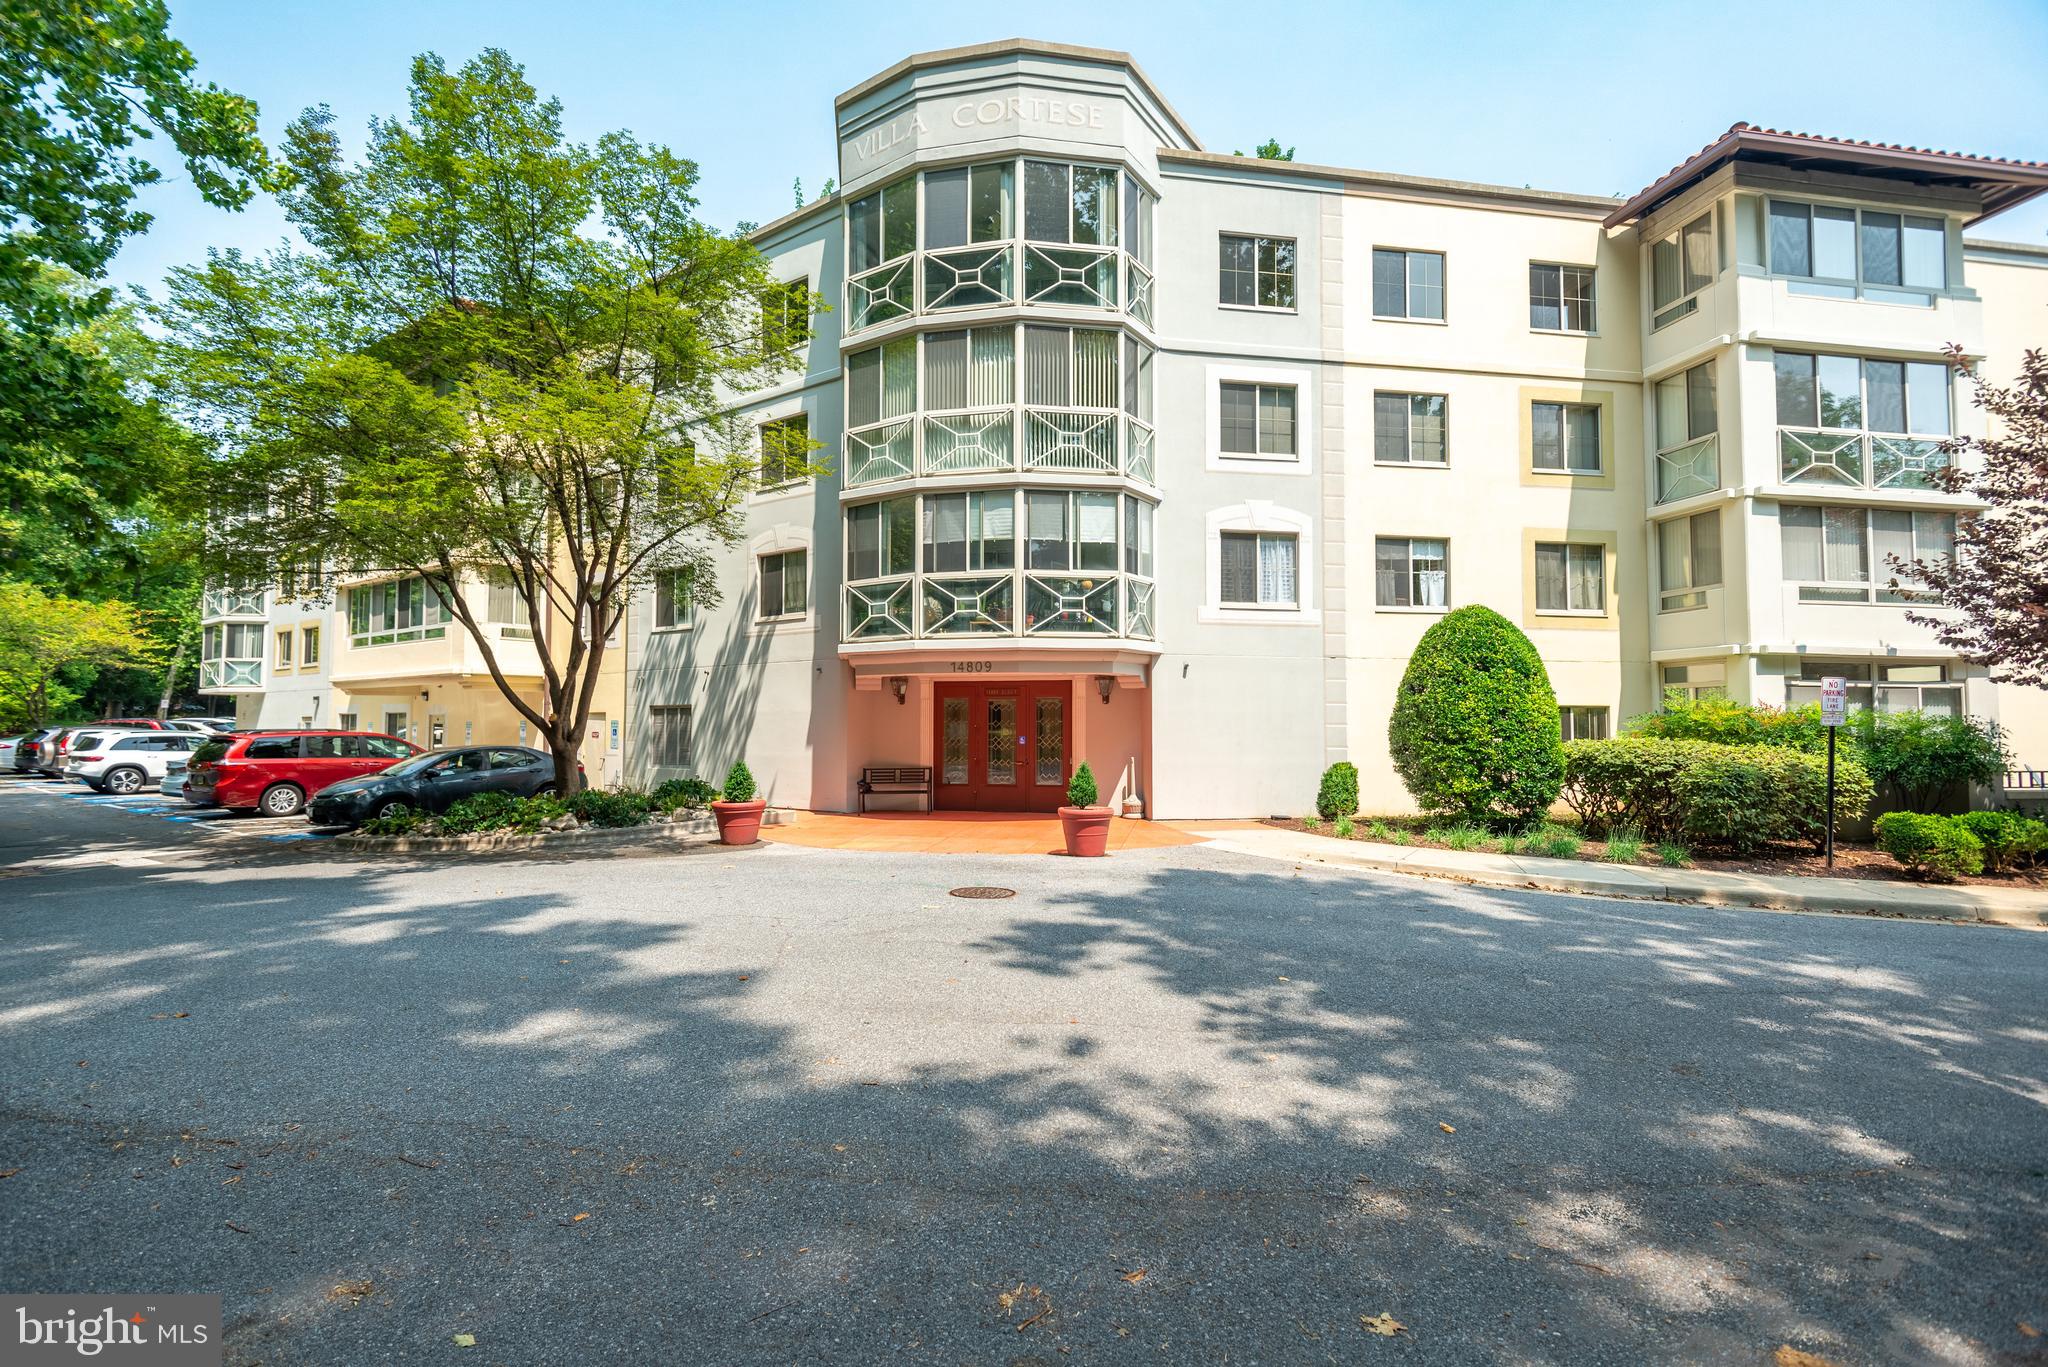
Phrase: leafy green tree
pixel 505 355
pixel 43 636
pixel 1270 150
pixel 81 82
pixel 1474 731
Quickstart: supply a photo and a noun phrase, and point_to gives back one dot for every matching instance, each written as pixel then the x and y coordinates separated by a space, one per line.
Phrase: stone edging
pixel 687 829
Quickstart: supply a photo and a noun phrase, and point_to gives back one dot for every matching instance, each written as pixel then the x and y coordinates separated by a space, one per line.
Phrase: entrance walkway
pixel 961 833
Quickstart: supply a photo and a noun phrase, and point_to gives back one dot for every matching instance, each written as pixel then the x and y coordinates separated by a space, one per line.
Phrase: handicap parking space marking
pixel 305 835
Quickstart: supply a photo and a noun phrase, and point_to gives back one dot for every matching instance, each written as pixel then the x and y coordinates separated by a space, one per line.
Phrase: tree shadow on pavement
pixel 779 1106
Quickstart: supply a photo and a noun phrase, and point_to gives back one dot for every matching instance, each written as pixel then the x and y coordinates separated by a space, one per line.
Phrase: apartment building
pixel 1165 459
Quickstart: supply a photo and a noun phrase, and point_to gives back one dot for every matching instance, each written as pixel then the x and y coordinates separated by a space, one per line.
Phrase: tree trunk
pixel 163 707
pixel 565 749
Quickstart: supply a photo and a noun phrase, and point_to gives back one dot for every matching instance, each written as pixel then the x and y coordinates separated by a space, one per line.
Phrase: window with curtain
pixel 1071 367
pixel 970 368
pixel 1828 551
pixel 1411 572
pixel 1561 297
pixel 1686 409
pixel 1045 531
pixel 1888 687
pixel 670 738
pixel 1259 569
pixel 1571 577
pixel 965 205
pixel 1255 272
pixel 945 533
pixel 1681 265
pixel 1138 555
pixel 785 585
pixel 1407 284
pixel 1838 250
pixel 1137 379
pixel 1566 437
pixel 881 538
pixel 1846 393
pixel 1688 559
pixel 1070 204
pixel 309 653
pixel 1582 723
pixel 881 383
pixel 1257 420
pixel 1409 429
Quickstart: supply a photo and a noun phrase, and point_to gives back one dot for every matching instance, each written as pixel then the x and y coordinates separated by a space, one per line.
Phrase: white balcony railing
pixel 219 676
pixel 1858 460
pixel 1002 440
pixel 222 603
pixel 995 273
pixel 1020 603
pixel 1691 469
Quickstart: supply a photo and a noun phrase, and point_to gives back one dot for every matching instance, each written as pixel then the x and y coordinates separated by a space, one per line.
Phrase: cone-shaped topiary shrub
pixel 1081 789
pixel 739 782
pixel 1474 731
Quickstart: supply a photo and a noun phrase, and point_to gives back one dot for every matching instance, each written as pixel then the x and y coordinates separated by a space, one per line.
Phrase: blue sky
pixel 1600 98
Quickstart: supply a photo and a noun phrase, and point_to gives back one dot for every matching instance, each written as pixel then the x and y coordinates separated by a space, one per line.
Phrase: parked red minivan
pixel 274 772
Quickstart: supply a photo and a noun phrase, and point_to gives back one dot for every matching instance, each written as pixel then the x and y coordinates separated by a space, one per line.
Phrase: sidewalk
pixel 1999 906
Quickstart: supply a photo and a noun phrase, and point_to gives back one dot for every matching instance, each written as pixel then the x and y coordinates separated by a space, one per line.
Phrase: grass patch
pixel 1312 823
pixel 1624 846
pixel 1673 855
pixel 1342 828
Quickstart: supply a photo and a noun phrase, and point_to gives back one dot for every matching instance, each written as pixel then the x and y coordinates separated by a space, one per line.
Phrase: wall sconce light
pixel 1103 684
pixel 900 686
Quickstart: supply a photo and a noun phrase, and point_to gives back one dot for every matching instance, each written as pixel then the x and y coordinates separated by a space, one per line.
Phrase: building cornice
pixel 1391 183
pixel 1021 47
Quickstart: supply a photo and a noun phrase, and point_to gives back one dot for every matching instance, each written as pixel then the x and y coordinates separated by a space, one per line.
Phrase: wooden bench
pixel 896 778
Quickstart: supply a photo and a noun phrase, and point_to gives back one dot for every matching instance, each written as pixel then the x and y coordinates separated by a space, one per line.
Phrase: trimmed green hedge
pixel 692 793
pixel 2009 839
pixel 1474 732
pixel 1739 797
pixel 1338 795
pixel 1937 848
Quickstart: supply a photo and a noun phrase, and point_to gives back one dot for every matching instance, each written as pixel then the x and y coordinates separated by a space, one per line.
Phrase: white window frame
pixel 1259 541
pixel 1564 436
pixel 1259 430
pixel 657 727
pixel 1687 301
pixel 688 619
pixel 1407 286
pixel 1712 683
pixel 1667 448
pixel 1431 609
pixel 1599 549
pixel 1259 515
pixel 1592 275
pixel 1871 587
pixel 1301 380
pixel 1293 273
pixel 1857 286
pixel 1684 597
pixel 1866 677
pixel 788 486
pixel 309 647
pixel 780 539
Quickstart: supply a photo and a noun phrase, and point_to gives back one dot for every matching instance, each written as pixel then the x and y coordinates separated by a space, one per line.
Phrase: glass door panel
pixel 1051 741
pixel 1002 741
pixel 953 742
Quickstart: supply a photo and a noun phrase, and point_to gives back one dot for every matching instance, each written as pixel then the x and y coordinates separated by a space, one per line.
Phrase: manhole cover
pixel 983 892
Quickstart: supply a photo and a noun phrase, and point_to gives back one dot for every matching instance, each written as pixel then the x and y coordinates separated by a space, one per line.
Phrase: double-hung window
pixel 785 586
pixel 1561 298
pixel 309 641
pixel 1258 420
pixel 1565 438
pixel 1688 456
pixel 1681 266
pixel 1256 272
pixel 672 600
pixel 1842 252
pixel 1407 284
pixel 1845 420
pixel 1571 577
pixel 1688 559
pixel 1844 555
pixel 1409 429
pixel 283 649
pixel 1259 570
pixel 1411 572
pixel 785 450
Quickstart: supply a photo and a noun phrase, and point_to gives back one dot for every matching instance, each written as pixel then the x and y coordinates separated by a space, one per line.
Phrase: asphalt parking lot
pixel 71 820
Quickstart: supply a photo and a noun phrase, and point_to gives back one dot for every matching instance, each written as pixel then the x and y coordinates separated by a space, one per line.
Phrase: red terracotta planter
pixel 1086 830
pixel 739 823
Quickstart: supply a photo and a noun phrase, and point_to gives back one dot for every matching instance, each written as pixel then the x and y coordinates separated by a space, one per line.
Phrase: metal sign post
pixel 1834 707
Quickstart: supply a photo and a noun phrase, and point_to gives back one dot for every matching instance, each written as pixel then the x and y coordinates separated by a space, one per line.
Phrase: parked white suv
pixel 205 726
pixel 126 761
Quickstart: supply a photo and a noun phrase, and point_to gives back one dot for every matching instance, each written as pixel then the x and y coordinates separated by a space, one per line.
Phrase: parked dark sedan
pixel 434 782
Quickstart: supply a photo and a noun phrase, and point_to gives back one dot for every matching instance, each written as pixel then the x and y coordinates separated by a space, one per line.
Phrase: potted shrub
pixel 1082 821
pixel 739 813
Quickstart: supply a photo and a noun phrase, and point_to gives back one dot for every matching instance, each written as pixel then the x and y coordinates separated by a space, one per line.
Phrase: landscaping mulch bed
pixel 1851 860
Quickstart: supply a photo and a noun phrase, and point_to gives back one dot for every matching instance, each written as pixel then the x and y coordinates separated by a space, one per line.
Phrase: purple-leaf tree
pixel 1997 582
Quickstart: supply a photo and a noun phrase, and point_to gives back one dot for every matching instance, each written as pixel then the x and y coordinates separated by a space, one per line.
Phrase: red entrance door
pixel 1002 747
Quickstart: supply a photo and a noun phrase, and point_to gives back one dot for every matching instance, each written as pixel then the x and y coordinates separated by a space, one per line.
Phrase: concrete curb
pixel 700 830
pixel 1844 896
